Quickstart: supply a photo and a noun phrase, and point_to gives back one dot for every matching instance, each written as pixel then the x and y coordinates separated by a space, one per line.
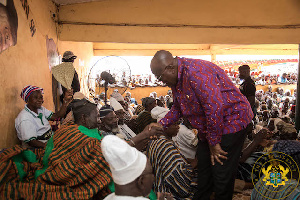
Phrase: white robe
pixel 126 131
pixel 113 196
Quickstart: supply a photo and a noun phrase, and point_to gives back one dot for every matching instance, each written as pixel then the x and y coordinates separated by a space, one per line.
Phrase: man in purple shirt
pixel 205 95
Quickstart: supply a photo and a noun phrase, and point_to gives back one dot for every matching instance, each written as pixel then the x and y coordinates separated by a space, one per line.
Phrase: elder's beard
pixel 115 130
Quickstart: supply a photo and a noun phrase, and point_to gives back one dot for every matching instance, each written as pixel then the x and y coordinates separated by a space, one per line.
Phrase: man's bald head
pixel 160 60
pixel 165 67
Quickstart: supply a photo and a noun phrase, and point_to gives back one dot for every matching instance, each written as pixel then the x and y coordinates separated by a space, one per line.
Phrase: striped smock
pixel 171 170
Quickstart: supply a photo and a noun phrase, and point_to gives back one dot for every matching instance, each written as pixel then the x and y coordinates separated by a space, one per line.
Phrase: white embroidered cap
pixel 115 104
pixel 126 163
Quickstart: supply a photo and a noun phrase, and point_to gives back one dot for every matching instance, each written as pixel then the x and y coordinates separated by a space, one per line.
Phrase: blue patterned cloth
pixel 290 147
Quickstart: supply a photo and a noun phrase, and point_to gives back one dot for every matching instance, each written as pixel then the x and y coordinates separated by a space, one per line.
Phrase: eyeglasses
pixel 168 66
pixel 159 78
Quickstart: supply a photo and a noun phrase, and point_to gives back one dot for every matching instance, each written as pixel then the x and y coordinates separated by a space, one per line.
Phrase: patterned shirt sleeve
pixel 172 116
pixel 207 91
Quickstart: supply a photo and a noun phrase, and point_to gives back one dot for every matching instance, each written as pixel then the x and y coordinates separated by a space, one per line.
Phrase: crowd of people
pixel 273 130
pixel 268 77
pixel 199 141
pixel 262 78
pixel 133 81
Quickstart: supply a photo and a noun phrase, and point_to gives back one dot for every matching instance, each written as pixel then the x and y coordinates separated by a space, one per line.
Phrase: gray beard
pixel 115 130
pixel 112 129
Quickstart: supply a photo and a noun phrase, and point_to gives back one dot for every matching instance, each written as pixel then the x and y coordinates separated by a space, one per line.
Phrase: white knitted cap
pixel 115 104
pixel 117 96
pixel 159 112
pixel 126 163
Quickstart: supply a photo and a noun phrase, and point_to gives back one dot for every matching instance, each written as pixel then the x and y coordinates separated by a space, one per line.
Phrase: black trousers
pixel 219 178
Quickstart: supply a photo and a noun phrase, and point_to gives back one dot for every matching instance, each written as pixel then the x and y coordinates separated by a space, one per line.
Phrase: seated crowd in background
pixel 261 78
pixel 273 130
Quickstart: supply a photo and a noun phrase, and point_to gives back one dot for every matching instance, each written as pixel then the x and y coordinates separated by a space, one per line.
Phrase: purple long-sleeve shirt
pixel 206 96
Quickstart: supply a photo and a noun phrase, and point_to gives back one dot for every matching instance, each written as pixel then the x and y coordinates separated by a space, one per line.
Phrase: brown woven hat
pixel 69 54
pixel 64 74
pixel 79 95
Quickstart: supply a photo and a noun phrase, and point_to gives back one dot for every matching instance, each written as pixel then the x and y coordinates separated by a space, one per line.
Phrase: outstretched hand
pixel 262 135
pixel 193 162
pixel 154 130
pixel 164 196
pixel 68 96
pixel 151 131
pixel 216 154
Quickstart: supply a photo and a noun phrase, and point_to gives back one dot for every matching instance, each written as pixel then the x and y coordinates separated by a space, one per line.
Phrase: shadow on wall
pixel 53 60
pixel 12 109
pixel 296 3
pixel 8 24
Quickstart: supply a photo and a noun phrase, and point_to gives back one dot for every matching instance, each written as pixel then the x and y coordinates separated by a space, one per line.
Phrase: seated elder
pixel 144 118
pixel 186 140
pixel 252 151
pixel 70 167
pixel 109 126
pixel 124 130
pixel 109 121
pixel 32 124
pixel 173 173
pixel 131 171
pixel 125 105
